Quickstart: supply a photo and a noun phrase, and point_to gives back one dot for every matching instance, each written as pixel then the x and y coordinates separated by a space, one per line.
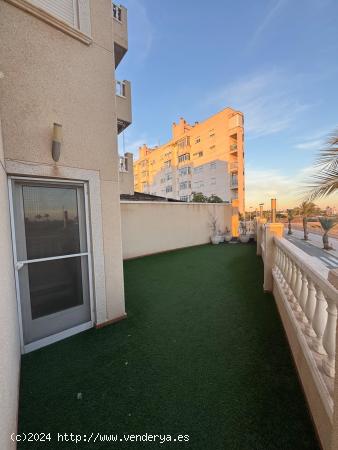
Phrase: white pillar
pixel 272 230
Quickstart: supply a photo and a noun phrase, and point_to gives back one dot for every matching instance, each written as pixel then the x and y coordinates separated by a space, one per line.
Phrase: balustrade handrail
pixel 310 269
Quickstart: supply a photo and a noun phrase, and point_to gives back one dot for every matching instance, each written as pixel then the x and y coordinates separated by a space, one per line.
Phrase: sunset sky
pixel 275 60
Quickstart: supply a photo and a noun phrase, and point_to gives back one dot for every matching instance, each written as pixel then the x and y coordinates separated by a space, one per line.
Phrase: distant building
pixel 206 157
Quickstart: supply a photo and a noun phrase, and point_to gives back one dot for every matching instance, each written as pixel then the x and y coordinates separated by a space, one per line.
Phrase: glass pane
pixel 51 221
pixel 55 285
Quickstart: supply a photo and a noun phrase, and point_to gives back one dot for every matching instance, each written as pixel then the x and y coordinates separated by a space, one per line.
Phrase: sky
pixel 274 60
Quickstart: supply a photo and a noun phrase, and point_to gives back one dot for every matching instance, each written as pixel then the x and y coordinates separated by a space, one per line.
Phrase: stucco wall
pixel 48 76
pixel 152 227
pixel 9 334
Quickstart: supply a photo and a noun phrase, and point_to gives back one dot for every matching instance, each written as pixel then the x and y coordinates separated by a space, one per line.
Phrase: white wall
pixel 9 334
pixel 152 227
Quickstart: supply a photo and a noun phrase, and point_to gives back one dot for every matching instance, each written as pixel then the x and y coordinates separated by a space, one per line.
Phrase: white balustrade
pixel 313 301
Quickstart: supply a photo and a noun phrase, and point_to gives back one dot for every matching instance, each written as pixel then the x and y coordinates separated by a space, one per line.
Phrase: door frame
pixel 26 348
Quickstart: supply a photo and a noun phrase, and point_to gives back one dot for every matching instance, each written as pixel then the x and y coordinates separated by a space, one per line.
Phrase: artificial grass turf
pixel 202 353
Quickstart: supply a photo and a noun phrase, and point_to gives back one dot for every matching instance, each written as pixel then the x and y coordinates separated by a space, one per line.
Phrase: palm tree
pixel 327 223
pixel 306 209
pixel 291 215
pixel 326 180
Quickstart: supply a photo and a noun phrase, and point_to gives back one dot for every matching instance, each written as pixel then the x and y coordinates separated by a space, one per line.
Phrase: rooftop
pixel 202 352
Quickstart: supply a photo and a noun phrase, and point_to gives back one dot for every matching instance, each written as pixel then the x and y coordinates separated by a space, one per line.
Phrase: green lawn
pixel 202 353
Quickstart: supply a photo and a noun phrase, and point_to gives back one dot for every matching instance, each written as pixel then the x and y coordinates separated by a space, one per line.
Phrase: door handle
pixel 19 265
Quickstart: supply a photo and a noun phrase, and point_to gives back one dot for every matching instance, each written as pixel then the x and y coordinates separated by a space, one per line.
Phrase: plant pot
pixel 215 239
pixel 227 237
pixel 244 238
pixel 221 237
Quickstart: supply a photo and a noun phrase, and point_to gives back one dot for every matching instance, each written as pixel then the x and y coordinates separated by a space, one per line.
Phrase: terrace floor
pixel 202 353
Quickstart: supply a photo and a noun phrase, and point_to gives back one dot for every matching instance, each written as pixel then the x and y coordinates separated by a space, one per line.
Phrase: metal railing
pixel 117 12
pixel 120 88
pixel 123 164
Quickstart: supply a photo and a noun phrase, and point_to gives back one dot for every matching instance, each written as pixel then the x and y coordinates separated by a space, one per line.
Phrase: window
pixel 198 154
pixel 184 171
pixel 184 198
pixel 162 180
pixel 212 133
pixel 169 189
pixel 197 140
pixel 213 165
pixel 74 12
pixel 198 169
pixel 167 164
pixel 184 157
pixel 183 142
pixel 169 176
pixel 213 147
pixel 185 185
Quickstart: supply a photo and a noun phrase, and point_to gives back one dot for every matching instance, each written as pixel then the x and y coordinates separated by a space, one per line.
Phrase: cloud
pixel 263 184
pixel 129 144
pixel 317 140
pixel 267 19
pixel 267 99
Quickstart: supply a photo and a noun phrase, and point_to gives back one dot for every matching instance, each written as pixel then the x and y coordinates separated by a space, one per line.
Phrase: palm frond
pixel 325 182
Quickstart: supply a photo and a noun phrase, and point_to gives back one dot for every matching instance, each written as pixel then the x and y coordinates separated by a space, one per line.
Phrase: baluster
pixel 319 321
pixel 288 276
pixel 278 263
pixel 292 296
pixel 303 297
pixel 310 308
pixel 329 338
pixel 284 270
pixel 297 287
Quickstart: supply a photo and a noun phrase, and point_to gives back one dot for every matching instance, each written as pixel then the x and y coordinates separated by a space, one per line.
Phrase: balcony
pixel 234 167
pixel 120 32
pixel 123 105
pixel 233 183
pixel 201 354
pixel 233 149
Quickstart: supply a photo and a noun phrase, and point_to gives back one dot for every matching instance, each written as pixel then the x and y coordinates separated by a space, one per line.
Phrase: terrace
pixel 202 353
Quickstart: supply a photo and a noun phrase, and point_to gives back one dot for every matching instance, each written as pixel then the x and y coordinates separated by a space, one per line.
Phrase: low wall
pixel 153 227
pixel 9 333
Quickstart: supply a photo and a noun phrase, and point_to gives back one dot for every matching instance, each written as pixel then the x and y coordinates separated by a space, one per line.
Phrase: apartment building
pixel 60 112
pixel 206 157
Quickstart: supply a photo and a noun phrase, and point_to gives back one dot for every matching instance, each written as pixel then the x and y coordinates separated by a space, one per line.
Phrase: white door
pixel 52 262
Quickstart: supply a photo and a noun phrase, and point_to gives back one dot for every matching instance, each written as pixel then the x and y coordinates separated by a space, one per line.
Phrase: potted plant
pixel 227 235
pixel 244 237
pixel 216 237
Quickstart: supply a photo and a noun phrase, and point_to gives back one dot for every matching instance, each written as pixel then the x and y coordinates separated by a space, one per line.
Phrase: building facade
pixel 60 228
pixel 206 157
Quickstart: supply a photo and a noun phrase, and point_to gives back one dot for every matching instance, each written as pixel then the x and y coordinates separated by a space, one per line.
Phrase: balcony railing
pixel 308 305
pixel 233 184
pixel 123 104
pixel 120 32
pixel 117 12
pixel 123 164
pixel 233 148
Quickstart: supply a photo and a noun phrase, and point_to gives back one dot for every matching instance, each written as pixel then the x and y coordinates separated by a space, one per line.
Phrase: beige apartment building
pixel 60 229
pixel 206 157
